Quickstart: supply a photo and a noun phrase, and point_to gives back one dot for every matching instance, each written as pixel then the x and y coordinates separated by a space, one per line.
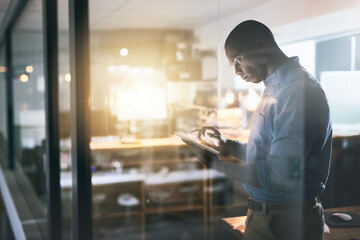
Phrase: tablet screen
pixel 194 141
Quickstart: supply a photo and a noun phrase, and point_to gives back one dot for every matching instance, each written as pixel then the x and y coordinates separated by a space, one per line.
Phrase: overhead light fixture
pixel 24 78
pixel 29 69
pixel 124 52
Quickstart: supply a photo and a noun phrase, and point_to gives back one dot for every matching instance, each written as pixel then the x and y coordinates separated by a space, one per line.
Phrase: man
pixel 289 147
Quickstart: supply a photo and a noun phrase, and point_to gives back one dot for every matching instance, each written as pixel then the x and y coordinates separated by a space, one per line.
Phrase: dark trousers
pixel 302 223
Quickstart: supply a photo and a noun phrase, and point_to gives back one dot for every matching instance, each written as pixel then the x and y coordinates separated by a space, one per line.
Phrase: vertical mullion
pixel 50 34
pixel 10 101
pixel 80 108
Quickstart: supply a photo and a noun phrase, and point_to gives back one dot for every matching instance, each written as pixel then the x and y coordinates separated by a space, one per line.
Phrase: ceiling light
pixel 29 69
pixel 24 78
pixel 124 52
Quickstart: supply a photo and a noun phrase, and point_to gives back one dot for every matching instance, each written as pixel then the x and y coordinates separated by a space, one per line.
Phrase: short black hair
pixel 249 36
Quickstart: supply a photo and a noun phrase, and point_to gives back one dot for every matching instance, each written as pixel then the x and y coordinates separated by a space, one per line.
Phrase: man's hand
pixel 209 136
pixel 212 137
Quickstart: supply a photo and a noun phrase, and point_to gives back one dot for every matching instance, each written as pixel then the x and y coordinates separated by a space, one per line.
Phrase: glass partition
pixel 3 72
pixel 157 69
pixel 29 121
pixel 64 118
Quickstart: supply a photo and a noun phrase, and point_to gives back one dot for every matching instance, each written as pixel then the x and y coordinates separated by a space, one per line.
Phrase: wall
pixel 290 20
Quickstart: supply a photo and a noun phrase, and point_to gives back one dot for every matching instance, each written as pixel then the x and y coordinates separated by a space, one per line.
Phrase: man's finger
pixel 210 130
pixel 203 129
pixel 211 134
pixel 196 133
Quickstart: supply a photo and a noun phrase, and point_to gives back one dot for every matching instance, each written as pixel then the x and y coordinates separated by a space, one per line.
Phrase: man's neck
pixel 275 61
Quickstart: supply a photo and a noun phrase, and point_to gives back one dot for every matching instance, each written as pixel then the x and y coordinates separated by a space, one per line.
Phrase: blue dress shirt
pixel 290 137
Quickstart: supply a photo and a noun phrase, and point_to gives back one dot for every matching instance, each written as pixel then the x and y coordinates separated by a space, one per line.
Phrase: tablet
pixel 190 139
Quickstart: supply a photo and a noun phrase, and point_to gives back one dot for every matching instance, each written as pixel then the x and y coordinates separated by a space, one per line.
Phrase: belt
pixel 276 206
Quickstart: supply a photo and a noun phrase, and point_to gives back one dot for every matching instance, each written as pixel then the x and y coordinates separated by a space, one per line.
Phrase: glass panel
pixel 158 67
pixel 339 78
pixel 343 101
pixel 3 71
pixel 338 59
pixel 356 51
pixel 29 120
pixel 64 119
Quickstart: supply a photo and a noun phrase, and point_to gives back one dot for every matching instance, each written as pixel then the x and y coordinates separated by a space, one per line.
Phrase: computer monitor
pixel 342 91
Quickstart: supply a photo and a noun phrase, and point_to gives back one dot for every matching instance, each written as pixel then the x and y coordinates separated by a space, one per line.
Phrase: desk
pixel 142 143
pixel 335 233
pixel 172 141
pixel 343 233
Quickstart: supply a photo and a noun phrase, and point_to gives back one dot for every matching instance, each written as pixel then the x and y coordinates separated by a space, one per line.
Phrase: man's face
pixel 250 67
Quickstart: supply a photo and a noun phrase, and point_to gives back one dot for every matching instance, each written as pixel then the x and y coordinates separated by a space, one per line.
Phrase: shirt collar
pixel 274 79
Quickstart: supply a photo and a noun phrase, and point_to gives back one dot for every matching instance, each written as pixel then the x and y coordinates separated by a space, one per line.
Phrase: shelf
pixel 118 214
pixel 172 141
pixel 173 208
pixel 151 210
pixel 162 161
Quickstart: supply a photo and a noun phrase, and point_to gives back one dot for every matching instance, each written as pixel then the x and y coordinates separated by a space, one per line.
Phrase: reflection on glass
pixel 64 79
pixel 344 102
pixel 3 114
pixel 29 120
pixel 158 67
pixel 3 69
